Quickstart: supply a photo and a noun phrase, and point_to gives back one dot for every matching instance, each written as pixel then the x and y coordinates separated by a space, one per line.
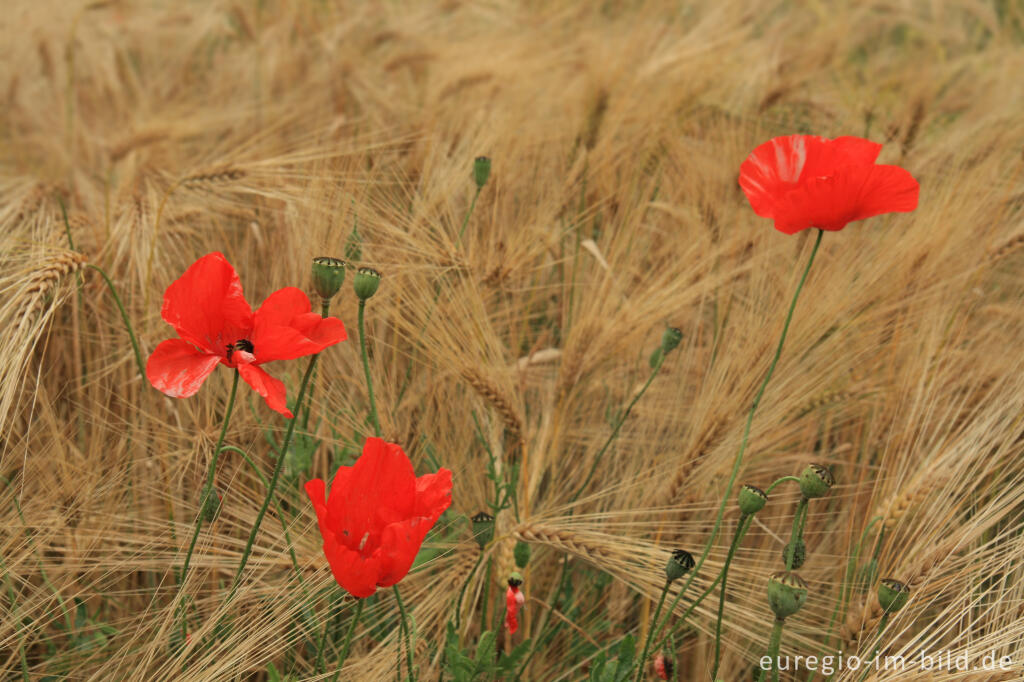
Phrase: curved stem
pixel 746 429
pixel 775 484
pixel 405 628
pixel 273 479
pixel 124 318
pixel 348 638
pixel 366 369
pixel 207 490
pixel 741 530
pixel 650 633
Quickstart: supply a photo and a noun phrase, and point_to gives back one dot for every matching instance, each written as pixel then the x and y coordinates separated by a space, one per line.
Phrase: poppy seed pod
pixel 794 557
pixel 892 595
pixel 752 499
pixel 366 282
pixel 483 528
pixel 787 593
pixel 816 481
pixel 515 579
pixel 209 503
pixel 521 552
pixel 671 339
pixel 328 276
pixel 678 564
pixel 481 170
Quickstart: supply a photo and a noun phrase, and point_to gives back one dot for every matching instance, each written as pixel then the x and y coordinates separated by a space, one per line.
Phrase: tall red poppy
pixel 215 324
pixel 377 515
pixel 514 600
pixel 804 181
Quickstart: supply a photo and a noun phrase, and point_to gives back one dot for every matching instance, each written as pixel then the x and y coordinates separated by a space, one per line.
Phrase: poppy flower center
pixel 243 345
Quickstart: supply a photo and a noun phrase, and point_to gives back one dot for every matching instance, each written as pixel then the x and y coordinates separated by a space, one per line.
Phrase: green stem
pixel 618 425
pixel 650 632
pixel 878 643
pixel 124 318
pixel 273 479
pixel 366 369
pixel 773 650
pixel 746 429
pixel 741 529
pixel 472 205
pixel 462 592
pixel 405 629
pixel 797 532
pixel 775 484
pixel 208 490
pixel 348 638
pixel 325 309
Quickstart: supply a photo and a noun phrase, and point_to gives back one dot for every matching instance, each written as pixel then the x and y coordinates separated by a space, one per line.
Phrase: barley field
pixel 511 338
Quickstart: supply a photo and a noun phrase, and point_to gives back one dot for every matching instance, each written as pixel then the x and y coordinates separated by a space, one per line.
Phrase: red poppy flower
pixel 216 325
pixel 514 600
pixel 377 516
pixel 662 667
pixel 804 181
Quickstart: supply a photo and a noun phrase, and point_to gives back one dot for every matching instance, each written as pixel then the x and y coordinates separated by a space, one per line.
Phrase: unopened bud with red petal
pixel 892 595
pixel 366 282
pixel 663 667
pixel 328 276
pixel 751 499
pixel 483 528
pixel 787 593
pixel 816 480
pixel 678 564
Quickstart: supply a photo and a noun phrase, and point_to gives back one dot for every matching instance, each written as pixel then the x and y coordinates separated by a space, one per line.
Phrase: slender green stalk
pixel 650 632
pixel 775 484
pixel 405 629
pixel 615 431
pixel 746 429
pixel 874 652
pixel 348 638
pixel 773 650
pixel 124 318
pixel 472 205
pixel 366 369
pixel 797 532
pixel 741 529
pixel 273 479
pixel 462 592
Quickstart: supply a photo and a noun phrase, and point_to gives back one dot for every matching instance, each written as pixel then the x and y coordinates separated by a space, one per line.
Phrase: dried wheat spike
pixel 214 175
pixel 500 402
pixel 43 280
pixel 909 496
pixel 1006 248
pixel 567 541
pixel 674 490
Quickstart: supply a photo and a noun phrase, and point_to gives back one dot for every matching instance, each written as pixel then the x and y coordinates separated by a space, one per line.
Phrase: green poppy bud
pixel 328 275
pixel 483 528
pixel 481 170
pixel 515 579
pixel 366 282
pixel 892 595
pixel 752 499
pixel 671 339
pixel 816 481
pixel 521 552
pixel 678 564
pixel 209 503
pixel 787 593
pixel 794 557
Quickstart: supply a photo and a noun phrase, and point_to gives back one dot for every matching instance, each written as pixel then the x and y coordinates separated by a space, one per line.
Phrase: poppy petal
pixel 357 574
pixel 399 544
pixel 206 305
pixel 271 389
pixel 886 189
pixel 433 494
pixel 178 369
pixel 383 483
pixel 285 329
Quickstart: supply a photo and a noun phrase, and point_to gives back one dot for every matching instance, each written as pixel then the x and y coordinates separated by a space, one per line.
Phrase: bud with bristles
pixel 794 558
pixel 209 503
pixel 671 339
pixel 892 595
pixel 521 552
pixel 787 593
pixel 678 564
pixel 481 170
pixel 366 282
pixel 483 528
pixel 816 481
pixel 752 499
pixel 328 276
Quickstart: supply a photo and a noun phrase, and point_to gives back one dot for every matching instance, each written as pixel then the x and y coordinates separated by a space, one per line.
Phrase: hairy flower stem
pixel 348 638
pixel 472 205
pixel 741 530
pixel 406 631
pixel 207 490
pixel 124 318
pixel 797 532
pixel 773 650
pixel 366 369
pixel 273 479
pixel 650 632
pixel 746 430
pixel 874 652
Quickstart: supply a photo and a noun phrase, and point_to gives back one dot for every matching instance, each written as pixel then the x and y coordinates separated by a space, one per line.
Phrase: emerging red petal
pixel 285 329
pixel 514 600
pixel 271 389
pixel 206 305
pixel 178 369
